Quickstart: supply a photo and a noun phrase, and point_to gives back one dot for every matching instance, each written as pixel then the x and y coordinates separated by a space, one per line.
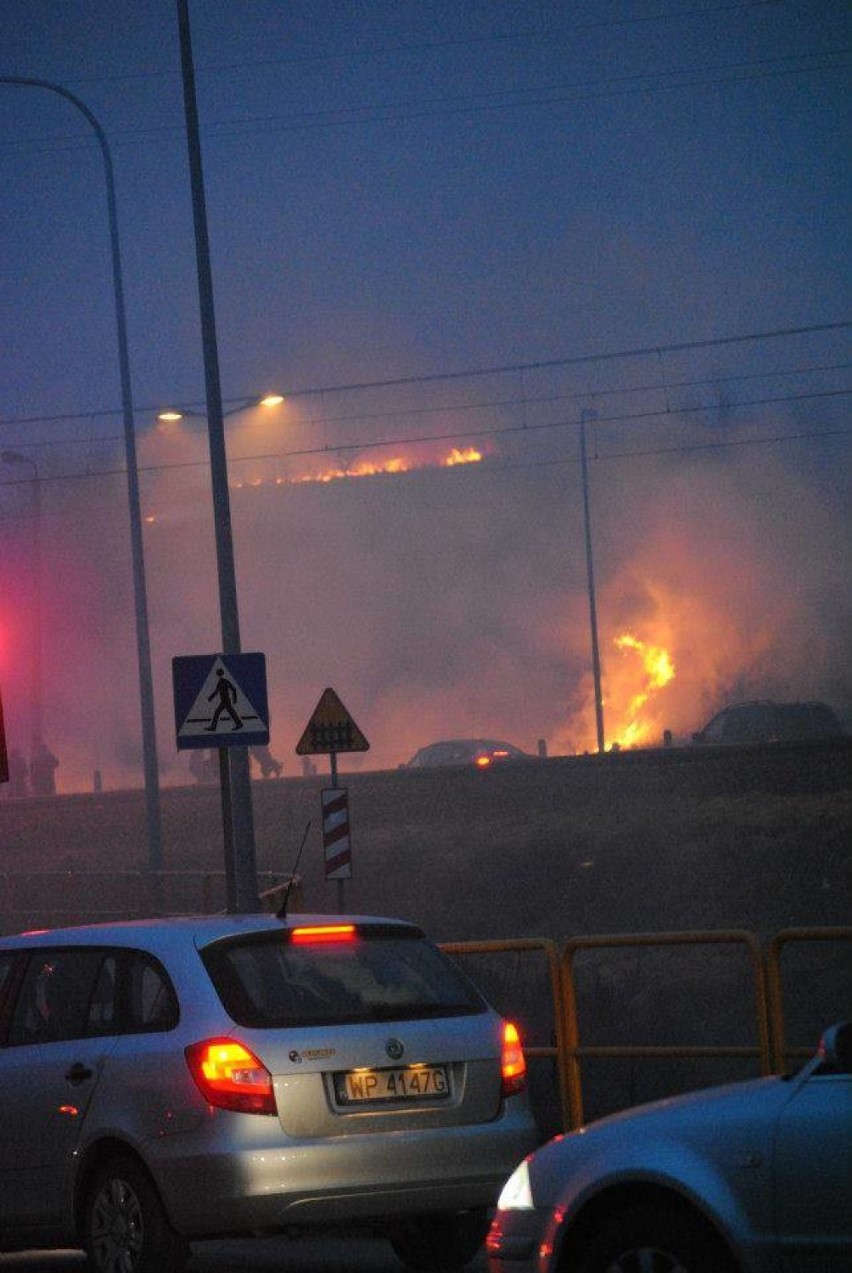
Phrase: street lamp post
pixel 590 574
pixel 240 874
pixel 143 642
pixel 234 777
pixel 36 713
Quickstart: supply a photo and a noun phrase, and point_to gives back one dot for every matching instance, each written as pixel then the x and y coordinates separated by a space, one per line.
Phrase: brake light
pixel 323 933
pixel 231 1077
pixel 513 1063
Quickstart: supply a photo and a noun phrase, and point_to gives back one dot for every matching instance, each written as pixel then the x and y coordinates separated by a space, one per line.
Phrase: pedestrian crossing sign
pixel 220 700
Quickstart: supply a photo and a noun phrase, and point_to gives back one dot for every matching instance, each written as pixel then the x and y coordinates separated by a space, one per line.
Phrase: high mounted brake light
pixel 513 1063
pixel 323 933
pixel 231 1077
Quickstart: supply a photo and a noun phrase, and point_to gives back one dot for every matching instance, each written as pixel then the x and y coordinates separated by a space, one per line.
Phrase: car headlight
pixel 516 1194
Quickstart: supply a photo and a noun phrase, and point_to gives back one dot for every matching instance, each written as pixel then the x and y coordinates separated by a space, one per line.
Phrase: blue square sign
pixel 220 700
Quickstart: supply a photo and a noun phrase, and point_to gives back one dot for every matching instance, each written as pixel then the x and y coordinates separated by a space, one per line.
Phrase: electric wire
pixel 308 452
pixel 590 90
pixel 478 372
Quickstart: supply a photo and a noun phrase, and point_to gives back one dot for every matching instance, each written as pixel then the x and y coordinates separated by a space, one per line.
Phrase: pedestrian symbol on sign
pixel 227 693
pixel 220 700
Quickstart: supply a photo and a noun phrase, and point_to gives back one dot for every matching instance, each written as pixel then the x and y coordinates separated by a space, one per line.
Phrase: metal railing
pixel 781 1053
pixel 543 945
pixel 769 1052
pixel 575 1053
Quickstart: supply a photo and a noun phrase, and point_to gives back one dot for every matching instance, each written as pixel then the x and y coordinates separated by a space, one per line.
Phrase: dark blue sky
pixel 400 190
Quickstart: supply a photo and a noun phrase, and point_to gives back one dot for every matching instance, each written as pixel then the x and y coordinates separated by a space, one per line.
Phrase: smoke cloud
pixel 438 602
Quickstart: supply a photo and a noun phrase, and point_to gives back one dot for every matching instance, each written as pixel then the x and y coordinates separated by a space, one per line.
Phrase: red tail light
pixel 512 1062
pixel 231 1077
pixel 323 933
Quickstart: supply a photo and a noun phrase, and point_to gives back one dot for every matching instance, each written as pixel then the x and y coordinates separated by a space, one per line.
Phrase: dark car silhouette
pixel 768 722
pixel 482 752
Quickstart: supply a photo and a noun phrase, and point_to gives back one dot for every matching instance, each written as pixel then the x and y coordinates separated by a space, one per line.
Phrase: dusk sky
pixel 443 232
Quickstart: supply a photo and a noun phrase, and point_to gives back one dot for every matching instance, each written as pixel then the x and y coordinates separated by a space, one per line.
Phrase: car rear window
pixel 377 974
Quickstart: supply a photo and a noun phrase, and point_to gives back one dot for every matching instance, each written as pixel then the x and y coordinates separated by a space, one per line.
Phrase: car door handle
pixel 78 1073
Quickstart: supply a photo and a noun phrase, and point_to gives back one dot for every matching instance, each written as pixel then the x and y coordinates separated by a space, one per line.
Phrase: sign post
pixel 221 702
pixel 331 730
pixel 4 755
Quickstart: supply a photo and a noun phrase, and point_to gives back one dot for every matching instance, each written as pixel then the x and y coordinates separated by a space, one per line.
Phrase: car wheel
pixel 126 1227
pixel 652 1240
pixel 439 1243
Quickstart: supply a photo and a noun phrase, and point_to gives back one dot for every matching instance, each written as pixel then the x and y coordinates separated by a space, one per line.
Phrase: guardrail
pixel 558 1049
pixel 788 936
pixel 568 1053
pixel 575 1053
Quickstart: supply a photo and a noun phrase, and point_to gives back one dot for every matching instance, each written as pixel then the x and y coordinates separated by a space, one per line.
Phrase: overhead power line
pixel 352 114
pixel 458 436
pixel 542 30
pixel 471 373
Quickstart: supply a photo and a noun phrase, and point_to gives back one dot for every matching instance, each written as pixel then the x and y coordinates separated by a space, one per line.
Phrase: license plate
pixel 408 1083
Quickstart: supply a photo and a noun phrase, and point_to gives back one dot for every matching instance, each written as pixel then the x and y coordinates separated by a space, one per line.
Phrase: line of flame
pixel 371 468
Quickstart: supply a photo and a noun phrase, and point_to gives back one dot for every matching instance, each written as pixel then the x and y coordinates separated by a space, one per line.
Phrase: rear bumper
pixel 213 1192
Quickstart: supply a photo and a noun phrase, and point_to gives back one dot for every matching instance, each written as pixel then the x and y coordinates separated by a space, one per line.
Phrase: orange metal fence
pixel 550 951
pixel 569 1053
pixel 775 988
pixel 575 1053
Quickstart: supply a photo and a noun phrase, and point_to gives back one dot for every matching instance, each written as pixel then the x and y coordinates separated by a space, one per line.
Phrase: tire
pixel 126 1229
pixel 439 1243
pixel 648 1239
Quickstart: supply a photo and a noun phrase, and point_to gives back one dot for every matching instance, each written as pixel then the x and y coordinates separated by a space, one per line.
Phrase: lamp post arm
pixel 143 642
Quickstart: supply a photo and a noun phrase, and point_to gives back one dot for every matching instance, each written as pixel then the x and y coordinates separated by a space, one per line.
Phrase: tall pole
pixel 244 871
pixel 143 641
pixel 590 572
pixel 36 711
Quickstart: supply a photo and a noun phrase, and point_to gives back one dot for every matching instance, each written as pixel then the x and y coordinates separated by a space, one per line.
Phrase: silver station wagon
pixel 180 1079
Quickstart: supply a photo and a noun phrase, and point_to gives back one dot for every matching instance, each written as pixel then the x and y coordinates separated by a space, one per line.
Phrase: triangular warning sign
pixel 220 707
pixel 330 729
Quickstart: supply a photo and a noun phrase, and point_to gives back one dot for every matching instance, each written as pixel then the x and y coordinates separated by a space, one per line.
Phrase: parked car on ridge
pixel 482 752
pixel 763 721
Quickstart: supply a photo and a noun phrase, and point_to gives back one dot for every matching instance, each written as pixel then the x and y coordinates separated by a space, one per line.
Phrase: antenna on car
pixel 281 913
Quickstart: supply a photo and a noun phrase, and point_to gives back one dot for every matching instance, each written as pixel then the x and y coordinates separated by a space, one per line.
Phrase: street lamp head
pixel 173 416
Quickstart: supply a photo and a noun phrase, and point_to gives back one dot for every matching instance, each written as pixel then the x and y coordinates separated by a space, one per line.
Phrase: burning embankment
pixel 441 599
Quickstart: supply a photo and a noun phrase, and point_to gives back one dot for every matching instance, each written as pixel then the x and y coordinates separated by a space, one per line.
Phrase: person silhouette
pixel 226 692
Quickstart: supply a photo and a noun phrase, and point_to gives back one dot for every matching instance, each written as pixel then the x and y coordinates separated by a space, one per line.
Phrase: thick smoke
pixel 438 602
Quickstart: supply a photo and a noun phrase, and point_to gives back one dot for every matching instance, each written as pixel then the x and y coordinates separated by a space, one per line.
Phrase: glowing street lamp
pixel 174 415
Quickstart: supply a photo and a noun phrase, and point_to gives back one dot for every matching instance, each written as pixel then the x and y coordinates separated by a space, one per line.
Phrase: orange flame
pixel 469 456
pixel 373 468
pixel 658 669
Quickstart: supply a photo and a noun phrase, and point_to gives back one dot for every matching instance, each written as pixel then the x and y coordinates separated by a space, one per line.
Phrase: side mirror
pixel 835 1048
